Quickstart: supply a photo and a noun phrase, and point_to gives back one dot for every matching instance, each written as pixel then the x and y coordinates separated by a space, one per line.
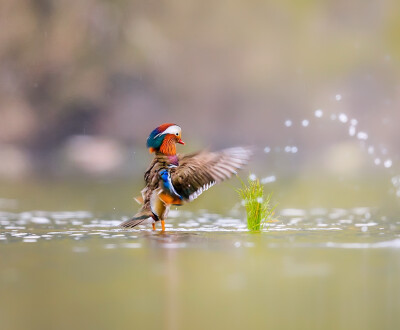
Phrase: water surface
pixel 315 268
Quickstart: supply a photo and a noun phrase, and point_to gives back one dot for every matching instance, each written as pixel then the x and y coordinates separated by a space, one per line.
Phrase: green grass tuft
pixel 258 206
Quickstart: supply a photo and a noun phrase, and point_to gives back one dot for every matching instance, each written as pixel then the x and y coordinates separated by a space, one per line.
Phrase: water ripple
pixel 329 228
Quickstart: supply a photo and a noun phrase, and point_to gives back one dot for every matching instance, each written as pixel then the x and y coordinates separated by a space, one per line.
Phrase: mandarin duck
pixel 173 179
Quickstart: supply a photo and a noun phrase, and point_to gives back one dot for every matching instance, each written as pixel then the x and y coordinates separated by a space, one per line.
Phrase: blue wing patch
pixel 166 179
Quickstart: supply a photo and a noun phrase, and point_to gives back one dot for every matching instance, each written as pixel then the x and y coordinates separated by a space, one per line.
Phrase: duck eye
pixel 176 134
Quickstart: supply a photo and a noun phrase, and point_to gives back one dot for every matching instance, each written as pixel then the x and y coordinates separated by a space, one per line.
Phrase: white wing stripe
pixel 201 190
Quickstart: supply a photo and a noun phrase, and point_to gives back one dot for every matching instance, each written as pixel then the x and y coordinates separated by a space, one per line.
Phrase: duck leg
pixel 154 225
pixel 162 225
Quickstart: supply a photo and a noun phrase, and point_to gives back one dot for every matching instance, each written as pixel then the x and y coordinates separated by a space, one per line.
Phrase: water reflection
pixel 205 271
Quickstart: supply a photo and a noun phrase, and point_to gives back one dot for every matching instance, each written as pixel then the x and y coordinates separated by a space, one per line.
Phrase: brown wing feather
pixel 198 172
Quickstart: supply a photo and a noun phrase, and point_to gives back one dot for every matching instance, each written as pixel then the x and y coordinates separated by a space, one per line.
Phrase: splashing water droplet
pixel 260 200
pixel 267 150
pixel 305 123
pixel 396 184
pixel 268 179
pixel 388 163
pixel 362 136
pixel 288 123
pixel 338 97
pixel 377 161
pixel 396 181
pixel 352 131
pixel 318 113
pixel 253 177
pixel 371 150
pixel 343 118
pixel 354 122
pixel 291 149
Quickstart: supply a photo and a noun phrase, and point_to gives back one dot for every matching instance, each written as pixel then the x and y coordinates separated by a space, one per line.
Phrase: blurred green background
pixel 82 83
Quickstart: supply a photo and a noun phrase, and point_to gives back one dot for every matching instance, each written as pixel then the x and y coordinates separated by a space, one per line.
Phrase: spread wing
pixel 198 172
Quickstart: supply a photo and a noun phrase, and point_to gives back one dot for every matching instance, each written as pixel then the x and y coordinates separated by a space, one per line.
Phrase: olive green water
pixel 71 268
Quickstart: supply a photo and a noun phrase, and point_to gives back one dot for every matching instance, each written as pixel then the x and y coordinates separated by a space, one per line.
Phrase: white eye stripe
pixel 174 129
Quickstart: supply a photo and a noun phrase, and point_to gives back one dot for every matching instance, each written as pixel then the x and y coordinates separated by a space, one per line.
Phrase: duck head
pixel 164 138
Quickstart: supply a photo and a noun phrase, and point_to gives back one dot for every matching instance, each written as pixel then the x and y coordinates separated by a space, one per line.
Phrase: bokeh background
pixel 82 83
pixel 314 85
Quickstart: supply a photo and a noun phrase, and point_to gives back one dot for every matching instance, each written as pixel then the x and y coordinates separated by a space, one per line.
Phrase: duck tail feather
pixel 136 220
